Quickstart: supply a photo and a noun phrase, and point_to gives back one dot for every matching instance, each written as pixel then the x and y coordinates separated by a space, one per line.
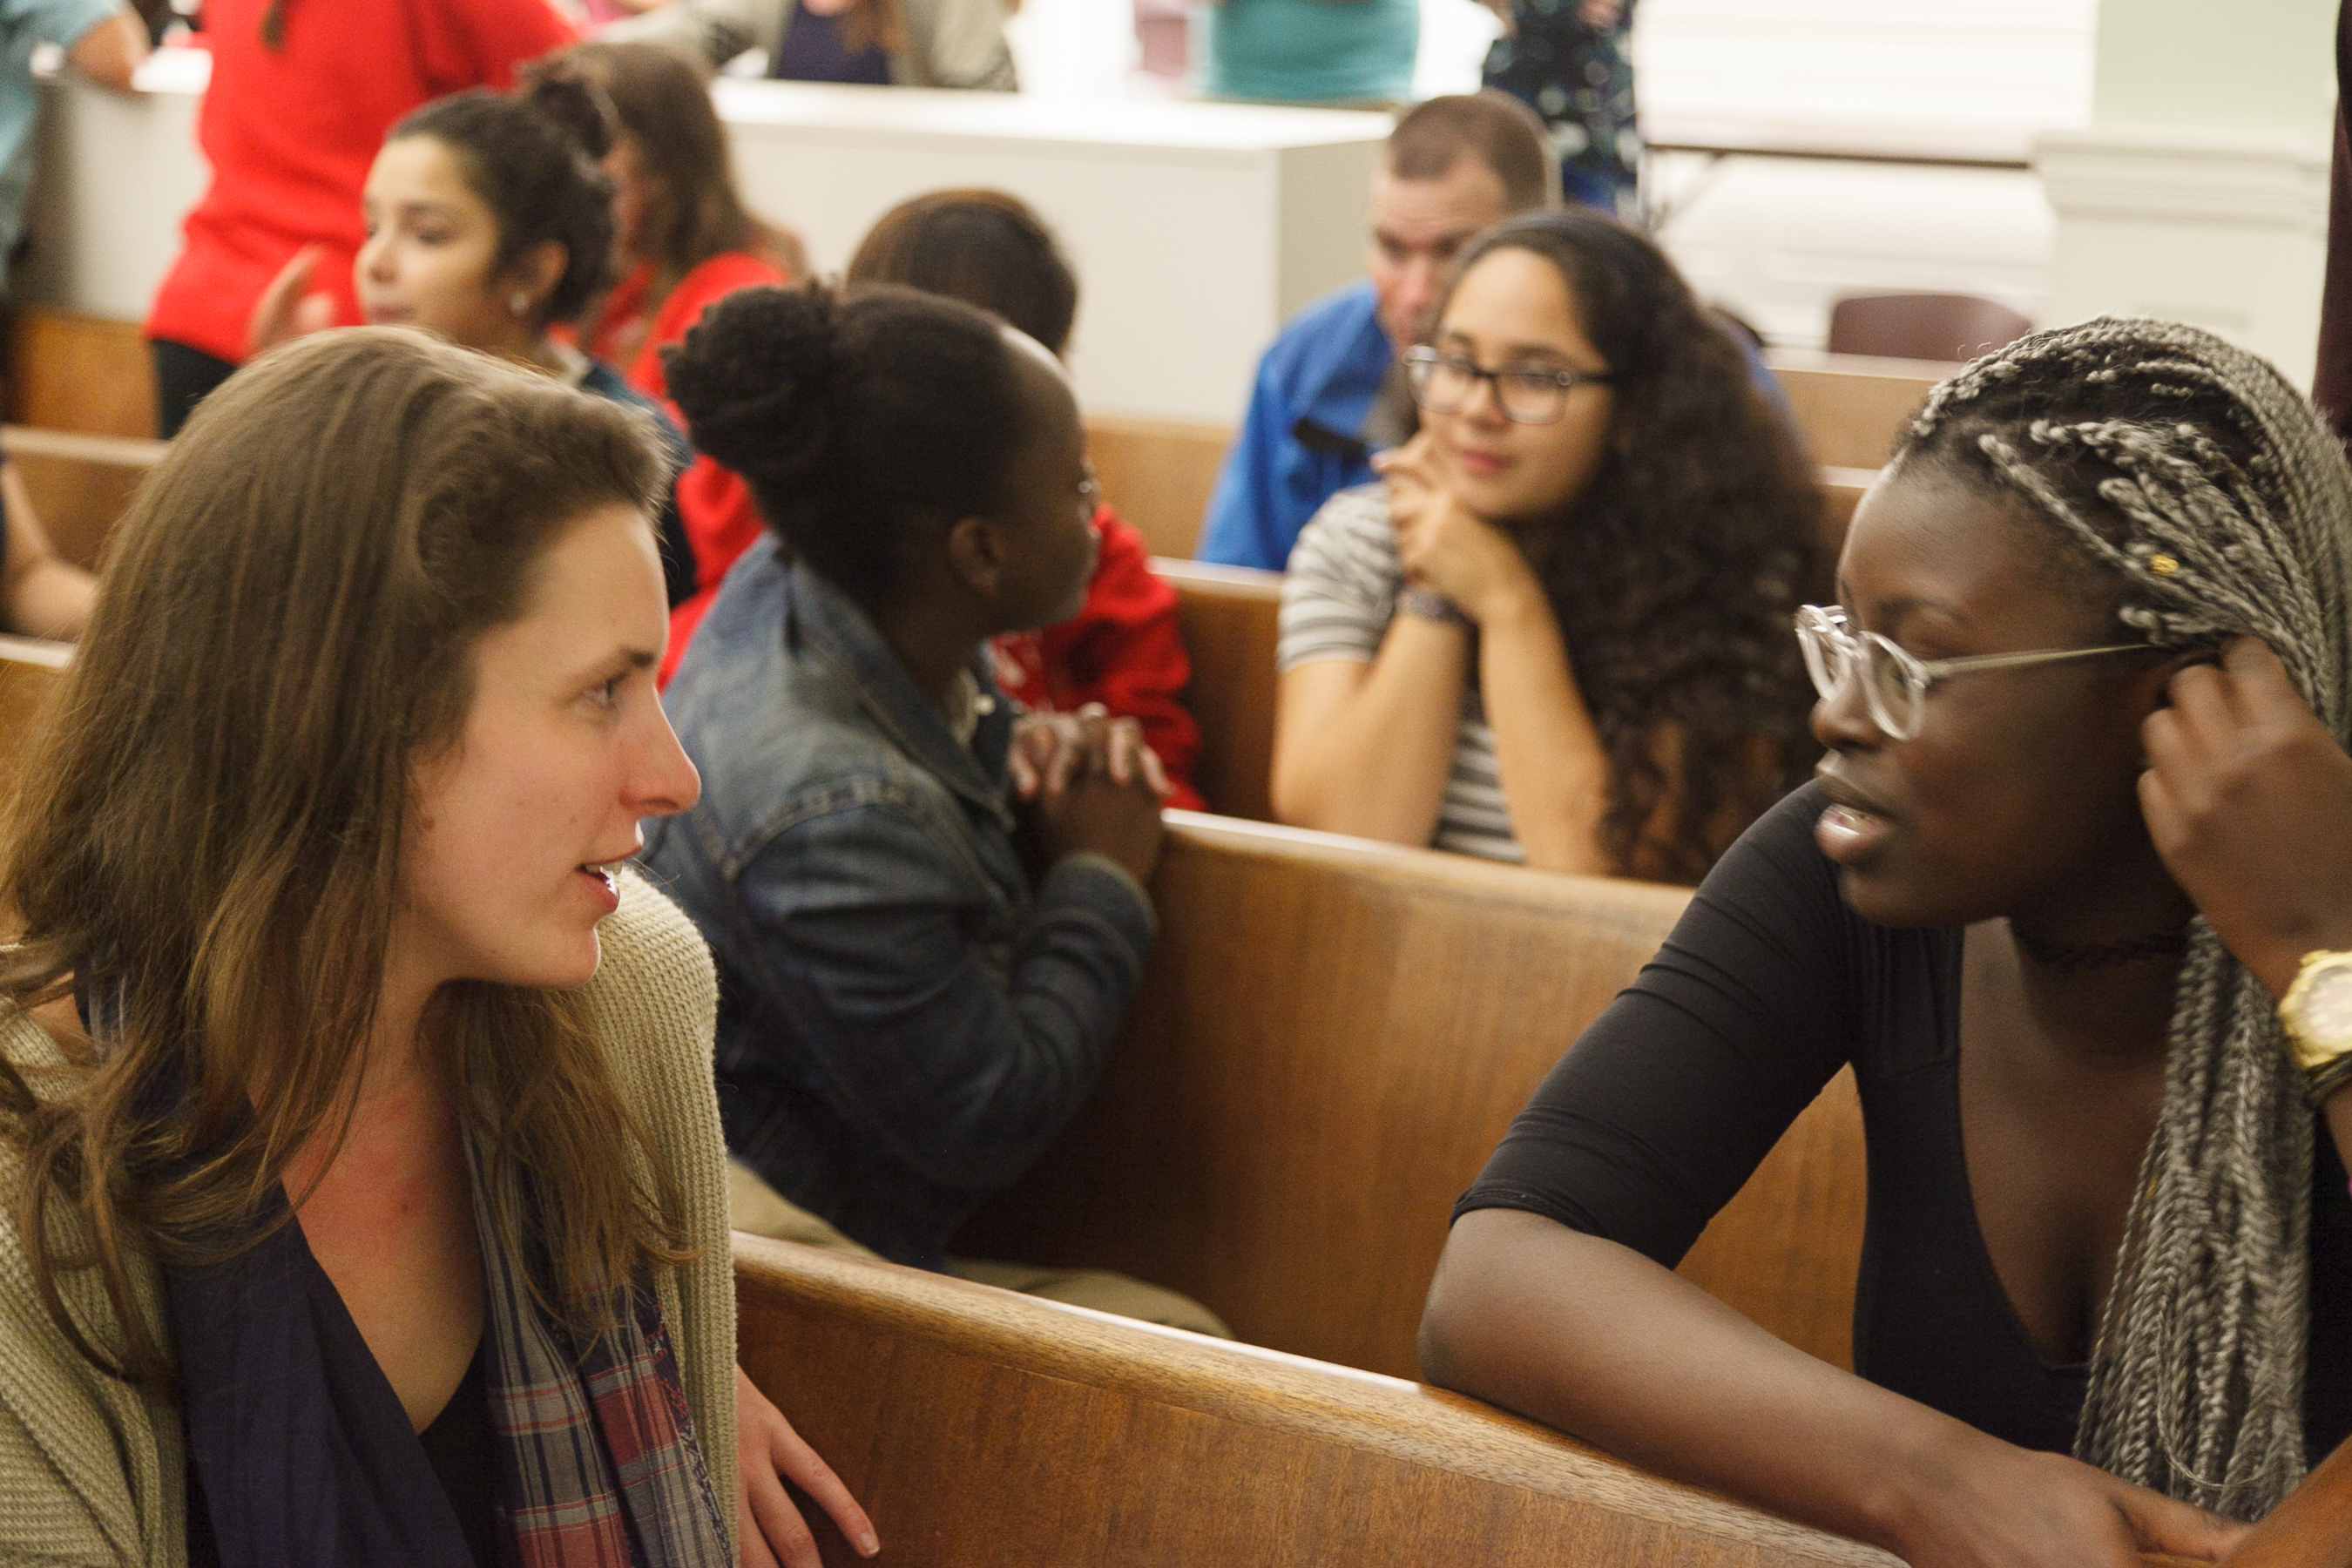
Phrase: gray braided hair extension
pixel 2193 470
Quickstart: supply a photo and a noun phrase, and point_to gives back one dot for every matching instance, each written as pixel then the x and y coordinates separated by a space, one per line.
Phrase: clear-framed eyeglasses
pixel 1895 682
pixel 1527 394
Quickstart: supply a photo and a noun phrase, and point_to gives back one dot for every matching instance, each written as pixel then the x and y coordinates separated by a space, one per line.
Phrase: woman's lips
pixel 1486 465
pixel 607 889
pixel 1849 835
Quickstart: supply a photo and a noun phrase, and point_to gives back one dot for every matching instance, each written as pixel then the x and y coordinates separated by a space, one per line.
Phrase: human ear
pixel 537 270
pixel 976 556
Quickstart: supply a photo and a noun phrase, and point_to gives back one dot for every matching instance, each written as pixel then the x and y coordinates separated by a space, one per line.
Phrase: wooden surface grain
pixel 1331 1038
pixel 1228 617
pixel 980 1428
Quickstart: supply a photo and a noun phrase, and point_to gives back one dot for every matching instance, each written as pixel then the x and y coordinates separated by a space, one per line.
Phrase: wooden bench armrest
pixel 963 1415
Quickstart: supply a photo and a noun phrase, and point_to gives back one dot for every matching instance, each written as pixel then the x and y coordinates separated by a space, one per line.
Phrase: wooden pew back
pixel 30 672
pixel 978 1427
pixel 1228 617
pixel 1331 1038
pixel 79 485
pixel 1851 407
pixel 1158 476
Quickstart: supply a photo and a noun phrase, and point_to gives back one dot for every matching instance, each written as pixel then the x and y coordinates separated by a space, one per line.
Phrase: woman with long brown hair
pixel 684 240
pixel 364 1195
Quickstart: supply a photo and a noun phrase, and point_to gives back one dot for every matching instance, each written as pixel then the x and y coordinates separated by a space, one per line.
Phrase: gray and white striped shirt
pixel 1337 600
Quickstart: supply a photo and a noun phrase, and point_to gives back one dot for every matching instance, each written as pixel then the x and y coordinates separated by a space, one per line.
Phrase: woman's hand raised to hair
pixel 289 307
pixel 1445 547
pixel 2249 800
pixel 768 1452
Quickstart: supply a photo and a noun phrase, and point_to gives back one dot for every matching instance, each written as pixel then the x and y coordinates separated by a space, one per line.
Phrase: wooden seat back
pixel 1158 476
pixel 1331 1038
pixel 79 485
pixel 978 1427
pixel 1849 408
pixel 1229 614
pixel 30 672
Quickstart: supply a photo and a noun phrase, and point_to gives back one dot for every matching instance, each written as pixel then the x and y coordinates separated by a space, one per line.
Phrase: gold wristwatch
pixel 2317 1014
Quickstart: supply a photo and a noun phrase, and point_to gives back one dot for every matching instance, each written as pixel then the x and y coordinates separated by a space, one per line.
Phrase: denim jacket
pixel 904 1024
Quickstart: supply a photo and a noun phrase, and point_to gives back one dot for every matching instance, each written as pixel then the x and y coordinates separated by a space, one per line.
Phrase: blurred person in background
pixel 1123 652
pixel 301 94
pixel 684 240
pixel 103 41
pixel 1452 168
pixel 1573 64
pixel 1340 53
pixel 41 595
pixel 879 43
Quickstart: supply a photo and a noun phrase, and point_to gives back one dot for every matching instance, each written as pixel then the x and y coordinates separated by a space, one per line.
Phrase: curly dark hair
pixel 532 157
pixel 1676 572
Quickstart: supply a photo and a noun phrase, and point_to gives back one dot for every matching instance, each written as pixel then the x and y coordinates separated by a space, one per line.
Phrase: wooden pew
pixel 86 374
pixel 30 671
pixel 1841 490
pixel 978 1427
pixel 1228 619
pixel 1331 1038
pixel 79 484
pixel 1851 408
pixel 1158 476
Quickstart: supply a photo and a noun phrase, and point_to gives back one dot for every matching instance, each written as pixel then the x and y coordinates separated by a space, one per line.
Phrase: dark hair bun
pixel 755 380
pixel 563 93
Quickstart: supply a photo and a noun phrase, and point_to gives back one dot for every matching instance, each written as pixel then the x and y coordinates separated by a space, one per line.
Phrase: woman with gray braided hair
pixel 2084 812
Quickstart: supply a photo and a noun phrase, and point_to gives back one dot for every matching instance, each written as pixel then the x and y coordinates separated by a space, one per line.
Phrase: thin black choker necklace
pixel 2086 957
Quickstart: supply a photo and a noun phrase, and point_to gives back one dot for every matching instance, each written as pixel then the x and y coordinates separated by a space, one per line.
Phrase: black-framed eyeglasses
pixel 1896 681
pixel 1526 394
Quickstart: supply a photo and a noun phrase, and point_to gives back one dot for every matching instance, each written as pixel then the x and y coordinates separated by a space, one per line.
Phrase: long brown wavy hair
pixel 693 211
pixel 1676 573
pixel 207 845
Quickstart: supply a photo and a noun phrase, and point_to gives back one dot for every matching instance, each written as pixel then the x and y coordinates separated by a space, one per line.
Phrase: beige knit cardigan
pixel 92 1471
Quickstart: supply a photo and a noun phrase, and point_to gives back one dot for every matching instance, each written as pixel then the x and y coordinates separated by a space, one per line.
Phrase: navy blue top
pixel 300 1454
pixel 812 50
pixel 1769 984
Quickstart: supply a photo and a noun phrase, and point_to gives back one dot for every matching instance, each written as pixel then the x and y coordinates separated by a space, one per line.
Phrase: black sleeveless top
pixel 1769 985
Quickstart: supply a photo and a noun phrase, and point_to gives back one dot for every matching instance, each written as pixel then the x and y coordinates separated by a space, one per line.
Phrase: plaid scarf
pixel 599 1462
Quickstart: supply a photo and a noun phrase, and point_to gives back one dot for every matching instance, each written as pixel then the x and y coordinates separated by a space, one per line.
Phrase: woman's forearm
pixel 1366 749
pixel 1555 775
pixel 1596 1339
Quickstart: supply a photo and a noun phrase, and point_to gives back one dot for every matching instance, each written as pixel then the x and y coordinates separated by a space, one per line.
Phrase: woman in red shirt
pixel 686 239
pixel 301 95
pixel 1123 648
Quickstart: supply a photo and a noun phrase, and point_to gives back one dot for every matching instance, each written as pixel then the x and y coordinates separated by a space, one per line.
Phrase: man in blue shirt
pixel 1453 167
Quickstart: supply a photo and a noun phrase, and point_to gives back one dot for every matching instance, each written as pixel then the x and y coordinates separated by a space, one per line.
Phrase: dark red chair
pixel 1923 326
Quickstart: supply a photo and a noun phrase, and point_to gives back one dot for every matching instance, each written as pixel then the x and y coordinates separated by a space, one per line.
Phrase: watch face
pixel 2325 1019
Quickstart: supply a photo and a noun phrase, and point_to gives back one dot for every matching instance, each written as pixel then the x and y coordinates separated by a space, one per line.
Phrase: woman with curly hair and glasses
pixel 2069 896
pixel 1557 631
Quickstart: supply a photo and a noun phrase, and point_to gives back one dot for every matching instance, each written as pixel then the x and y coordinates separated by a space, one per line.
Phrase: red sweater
pixel 290 133
pixel 1122 649
pixel 714 503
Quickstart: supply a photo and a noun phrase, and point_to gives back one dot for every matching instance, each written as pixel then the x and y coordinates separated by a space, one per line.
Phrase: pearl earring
pixel 518 302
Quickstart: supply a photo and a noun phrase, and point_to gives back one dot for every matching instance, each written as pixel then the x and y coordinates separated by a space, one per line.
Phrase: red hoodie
pixel 1122 649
